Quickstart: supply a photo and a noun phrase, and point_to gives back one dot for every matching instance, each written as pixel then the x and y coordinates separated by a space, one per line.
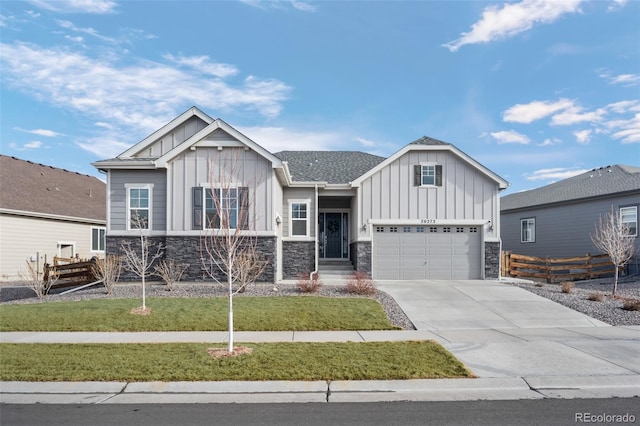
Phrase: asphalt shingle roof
pixel 33 187
pixel 328 166
pixel 594 183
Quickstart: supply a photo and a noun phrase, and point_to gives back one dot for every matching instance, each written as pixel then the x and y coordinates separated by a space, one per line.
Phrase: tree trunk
pixel 615 281
pixel 230 315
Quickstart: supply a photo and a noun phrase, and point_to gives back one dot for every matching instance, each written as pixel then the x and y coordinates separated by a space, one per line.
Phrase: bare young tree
pixel 170 271
pixel 140 260
pixel 229 242
pixel 31 277
pixel 108 270
pixel 612 237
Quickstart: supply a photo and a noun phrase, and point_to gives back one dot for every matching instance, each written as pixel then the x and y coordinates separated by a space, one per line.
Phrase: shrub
pixel 539 284
pixel 108 270
pixel 307 284
pixel 567 287
pixel 631 305
pixel 595 296
pixel 170 271
pixel 360 283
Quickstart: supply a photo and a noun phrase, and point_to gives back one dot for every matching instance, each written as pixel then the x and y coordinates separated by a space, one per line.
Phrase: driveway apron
pixel 499 330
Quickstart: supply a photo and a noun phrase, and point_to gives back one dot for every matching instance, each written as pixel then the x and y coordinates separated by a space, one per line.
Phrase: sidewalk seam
pixel 114 394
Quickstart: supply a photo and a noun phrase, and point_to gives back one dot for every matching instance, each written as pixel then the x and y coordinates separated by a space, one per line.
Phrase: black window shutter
pixel 417 175
pixel 243 211
pixel 197 210
pixel 438 175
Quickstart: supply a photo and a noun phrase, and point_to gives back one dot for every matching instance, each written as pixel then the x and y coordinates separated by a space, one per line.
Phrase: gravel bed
pixel 18 294
pixel 608 310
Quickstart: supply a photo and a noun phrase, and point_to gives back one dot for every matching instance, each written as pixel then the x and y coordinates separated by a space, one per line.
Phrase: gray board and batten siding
pixel 465 194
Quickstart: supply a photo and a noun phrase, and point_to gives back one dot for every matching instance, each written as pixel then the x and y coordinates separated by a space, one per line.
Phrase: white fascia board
pixel 209 233
pixel 128 164
pixel 197 139
pixel 50 216
pixel 427 222
pixel 149 140
pixel 503 184
pixel 308 184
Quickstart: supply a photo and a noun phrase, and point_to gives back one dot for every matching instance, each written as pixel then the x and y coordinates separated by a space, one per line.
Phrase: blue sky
pixel 536 90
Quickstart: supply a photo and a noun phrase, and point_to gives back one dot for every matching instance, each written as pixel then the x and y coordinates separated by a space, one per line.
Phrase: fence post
pixel 547 263
pixel 588 266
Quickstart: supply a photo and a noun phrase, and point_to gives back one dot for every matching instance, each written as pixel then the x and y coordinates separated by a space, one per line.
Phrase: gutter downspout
pixel 317 256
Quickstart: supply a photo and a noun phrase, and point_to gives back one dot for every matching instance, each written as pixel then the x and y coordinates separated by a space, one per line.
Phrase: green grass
pixel 191 362
pixel 191 314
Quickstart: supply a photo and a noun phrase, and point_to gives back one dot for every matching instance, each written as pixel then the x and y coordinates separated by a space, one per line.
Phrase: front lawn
pixel 198 314
pixel 191 362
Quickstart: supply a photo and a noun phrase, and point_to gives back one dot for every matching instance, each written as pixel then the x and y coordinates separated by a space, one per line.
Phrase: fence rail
pixel 555 269
pixel 70 274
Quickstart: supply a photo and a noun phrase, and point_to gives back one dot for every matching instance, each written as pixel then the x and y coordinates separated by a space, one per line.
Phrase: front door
pixel 333 235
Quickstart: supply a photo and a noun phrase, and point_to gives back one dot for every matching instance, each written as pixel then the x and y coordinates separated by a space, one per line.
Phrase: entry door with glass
pixel 334 235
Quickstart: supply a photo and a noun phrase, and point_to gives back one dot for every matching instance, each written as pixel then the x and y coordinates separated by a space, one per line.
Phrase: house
pixel 557 220
pixel 46 212
pixel 427 211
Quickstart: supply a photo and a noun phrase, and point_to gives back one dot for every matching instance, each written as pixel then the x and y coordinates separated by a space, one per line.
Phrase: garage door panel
pixel 434 254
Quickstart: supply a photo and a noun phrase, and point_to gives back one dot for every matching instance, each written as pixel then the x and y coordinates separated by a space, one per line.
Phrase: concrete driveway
pixel 499 330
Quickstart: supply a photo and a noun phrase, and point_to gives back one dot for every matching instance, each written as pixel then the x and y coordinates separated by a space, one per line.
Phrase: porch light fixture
pixel 364 227
pixel 278 220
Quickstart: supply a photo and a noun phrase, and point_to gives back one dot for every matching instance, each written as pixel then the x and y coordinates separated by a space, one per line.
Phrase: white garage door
pixel 426 252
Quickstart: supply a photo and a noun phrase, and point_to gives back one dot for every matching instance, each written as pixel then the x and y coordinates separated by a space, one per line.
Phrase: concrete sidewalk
pixel 520 345
pixel 511 364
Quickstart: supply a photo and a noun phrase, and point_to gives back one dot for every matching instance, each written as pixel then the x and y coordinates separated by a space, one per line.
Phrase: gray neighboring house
pixel 47 211
pixel 557 220
pixel 427 211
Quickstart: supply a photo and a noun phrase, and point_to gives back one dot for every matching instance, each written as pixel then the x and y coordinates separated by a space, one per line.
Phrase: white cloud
pixel 513 18
pixel 554 174
pixel 33 145
pixel 527 113
pixel 106 146
pixel 626 79
pixel 624 106
pixel 627 130
pixel 510 136
pixel 302 6
pixel 275 139
pixel 365 142
pixel 617 4
pixel 550 142
pixel 575 115
pixel 140 97
pixel 40 132
pixel 68 25
pixel 583 136
pixel 76 6
pixel 203 65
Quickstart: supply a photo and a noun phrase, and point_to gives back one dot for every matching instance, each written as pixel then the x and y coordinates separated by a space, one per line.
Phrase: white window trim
pixel 99 228
pixel 422 166
pixel 307 202
pixel 218 188
pixel 128 187
pixel 636 222
pixel 533 234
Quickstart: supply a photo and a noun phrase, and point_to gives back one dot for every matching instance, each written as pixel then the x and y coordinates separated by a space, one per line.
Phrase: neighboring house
pixel 428 211
pixel 557 220
pixel 46 211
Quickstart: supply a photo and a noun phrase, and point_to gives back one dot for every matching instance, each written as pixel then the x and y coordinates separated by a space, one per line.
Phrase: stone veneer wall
pixel 114 246
pixel 361 256
pixel 186 249
pixel 297 257
pixel 491 260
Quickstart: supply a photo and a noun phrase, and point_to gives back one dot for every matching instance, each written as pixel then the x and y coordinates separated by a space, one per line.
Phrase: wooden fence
pixel 558 269
pixel 69 274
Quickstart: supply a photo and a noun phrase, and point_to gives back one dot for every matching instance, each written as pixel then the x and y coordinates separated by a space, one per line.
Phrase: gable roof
pixel 609 180
pixel 45 190
pixel 333 167
pixel 426 143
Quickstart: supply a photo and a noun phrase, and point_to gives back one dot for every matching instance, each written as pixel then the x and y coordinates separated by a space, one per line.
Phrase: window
pixel 528 230
pixel 429 174
pixel 97 239
pixel 629 216
pixel 393 229
pixel 379 228
pixel 139 206
pixel 221 208
pixel 406 229
pixel 420 229
pixel 299 219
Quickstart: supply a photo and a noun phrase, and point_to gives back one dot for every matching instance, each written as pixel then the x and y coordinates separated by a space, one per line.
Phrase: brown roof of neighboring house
pixel 37 188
